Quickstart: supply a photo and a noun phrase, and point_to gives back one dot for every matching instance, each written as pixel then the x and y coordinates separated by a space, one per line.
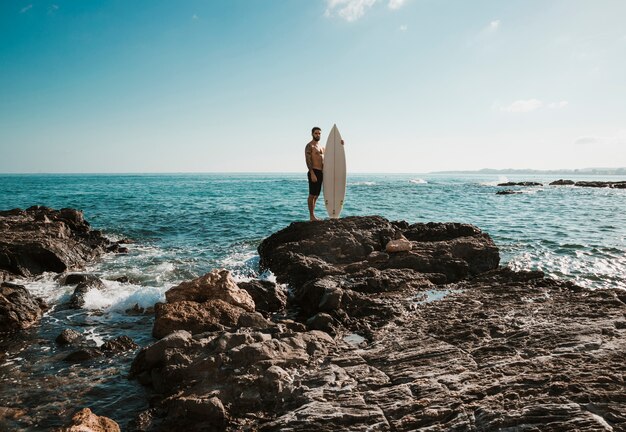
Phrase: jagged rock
pixel 216 285
pixel 118 345
pixel 436 338
pixel 19 309
pixel 601 184
pixel 69 337
pixel 508 192
pixel 562 182
pixel 268 296
pixel 40 239
pixel 77 300
pixel 213 315
pixel 78 278
pixel 85 420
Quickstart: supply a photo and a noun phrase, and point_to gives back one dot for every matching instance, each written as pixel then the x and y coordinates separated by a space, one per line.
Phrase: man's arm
pixel 308 156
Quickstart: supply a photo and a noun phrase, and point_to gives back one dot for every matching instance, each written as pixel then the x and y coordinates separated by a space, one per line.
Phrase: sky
pixel 414 86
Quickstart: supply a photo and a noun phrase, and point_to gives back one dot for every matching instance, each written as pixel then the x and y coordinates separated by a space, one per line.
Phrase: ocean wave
pixel 418 181
pixel 363 183
pixel 501 179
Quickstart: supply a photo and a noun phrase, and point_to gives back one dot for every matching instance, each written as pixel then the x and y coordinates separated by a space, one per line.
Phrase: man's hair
pixel 315 129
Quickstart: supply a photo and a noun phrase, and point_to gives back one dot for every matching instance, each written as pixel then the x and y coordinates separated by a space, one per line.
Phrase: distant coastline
pixel 583 171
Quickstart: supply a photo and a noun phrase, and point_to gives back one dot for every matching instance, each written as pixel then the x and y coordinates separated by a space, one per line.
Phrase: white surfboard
pixel 334 173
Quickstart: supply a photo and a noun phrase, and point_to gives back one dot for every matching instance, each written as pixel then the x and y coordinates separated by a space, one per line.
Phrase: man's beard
pixel 316 138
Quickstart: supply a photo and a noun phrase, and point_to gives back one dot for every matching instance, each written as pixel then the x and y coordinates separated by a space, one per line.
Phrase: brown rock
pixel 213 315
pixel 398 245
pixel 19 309
pixel 86 421
pixel 216 285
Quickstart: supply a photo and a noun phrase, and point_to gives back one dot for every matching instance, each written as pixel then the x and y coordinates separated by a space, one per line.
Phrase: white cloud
pixel 493 26
pixel 525 105
pixel 396 4
pixel 403 28
pixel 350 10
pixel 26 8
pixel 529 105
pixel 557 105
pixel 617 140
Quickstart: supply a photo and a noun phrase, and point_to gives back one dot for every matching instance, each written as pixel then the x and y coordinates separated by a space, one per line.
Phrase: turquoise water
pixel 182 226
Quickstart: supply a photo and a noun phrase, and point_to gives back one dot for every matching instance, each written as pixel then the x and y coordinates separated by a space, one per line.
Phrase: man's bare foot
pixel 313 218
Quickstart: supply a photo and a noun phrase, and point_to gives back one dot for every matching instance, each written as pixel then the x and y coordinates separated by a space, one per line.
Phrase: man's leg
pixel 312 201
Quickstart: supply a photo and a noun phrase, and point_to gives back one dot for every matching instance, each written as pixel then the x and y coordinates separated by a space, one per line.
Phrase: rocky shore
pixel 562 182
pixel 371 325
pixel 388 326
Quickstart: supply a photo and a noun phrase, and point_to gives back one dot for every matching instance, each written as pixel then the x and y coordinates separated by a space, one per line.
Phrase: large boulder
pixel 19 309
pixel 268 296
pixel 215 285
pixel 86 421
pixel 40 239
pixel 194 317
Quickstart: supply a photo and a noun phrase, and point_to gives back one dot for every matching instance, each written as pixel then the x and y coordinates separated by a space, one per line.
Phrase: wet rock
pixel 78 278
pixel 118 345
pixel 508 192
pixel 85 420
pixel 123 279
pixel 268 296
pixel 601 184
pixel 562 182
pixel 83 354
pixel 77 300
pixel 19 309
pixel 40 239
pixel 216 285
pixel 69 337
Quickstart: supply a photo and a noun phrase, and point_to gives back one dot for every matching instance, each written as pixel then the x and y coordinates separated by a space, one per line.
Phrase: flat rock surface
pixel 434 338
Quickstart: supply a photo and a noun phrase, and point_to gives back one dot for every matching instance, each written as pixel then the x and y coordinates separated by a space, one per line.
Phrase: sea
pixel 181 226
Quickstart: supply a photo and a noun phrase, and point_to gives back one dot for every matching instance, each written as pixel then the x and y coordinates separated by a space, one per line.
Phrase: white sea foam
pixel 119 297
pixel 362 183
pixel 501 179
pixel 418 181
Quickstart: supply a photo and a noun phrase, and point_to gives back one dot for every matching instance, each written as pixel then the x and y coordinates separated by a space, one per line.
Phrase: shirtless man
pixel 314 155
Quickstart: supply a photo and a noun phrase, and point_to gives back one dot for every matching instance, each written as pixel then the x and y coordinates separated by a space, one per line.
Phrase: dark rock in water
pixel 77 300
pixel 40 239
pixel 593 184
pixel 76 278
pixel 85 420
pixel 69 337
pixel 118 345
pixel 19 309
pixel 83 354
pixel 562 182
pixel 507 192
pixel 123 279
pixel 520 184
pixel 268 297
pixel 445 340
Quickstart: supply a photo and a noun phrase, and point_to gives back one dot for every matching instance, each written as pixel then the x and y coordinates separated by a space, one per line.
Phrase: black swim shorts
pixel 315 188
